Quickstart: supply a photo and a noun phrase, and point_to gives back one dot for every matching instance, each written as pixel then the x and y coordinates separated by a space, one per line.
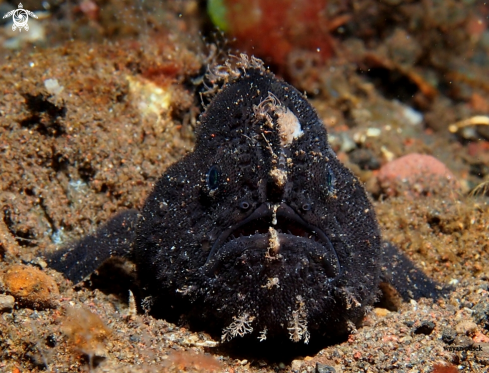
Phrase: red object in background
pixel 440 368
pixel 271 29
pixel 414 175
pixel 90 9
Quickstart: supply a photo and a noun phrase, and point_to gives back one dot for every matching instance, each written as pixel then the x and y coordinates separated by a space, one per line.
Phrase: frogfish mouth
pixel 273 235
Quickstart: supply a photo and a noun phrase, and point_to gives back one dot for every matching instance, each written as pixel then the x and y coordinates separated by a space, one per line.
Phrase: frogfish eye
pixel 330 182
pixel 213 176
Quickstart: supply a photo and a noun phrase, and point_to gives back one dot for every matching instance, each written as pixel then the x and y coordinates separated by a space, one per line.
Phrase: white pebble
pixel 6 303
pixel 414 117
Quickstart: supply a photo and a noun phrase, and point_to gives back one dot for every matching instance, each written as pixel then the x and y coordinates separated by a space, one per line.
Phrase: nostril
pixel 306 207
pixel 243 205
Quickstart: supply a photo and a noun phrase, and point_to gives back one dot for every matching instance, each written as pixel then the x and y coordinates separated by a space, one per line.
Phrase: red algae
pixel 273 29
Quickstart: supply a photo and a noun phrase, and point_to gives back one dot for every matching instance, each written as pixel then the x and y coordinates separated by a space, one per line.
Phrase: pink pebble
pixel 415 175
pixel 480 338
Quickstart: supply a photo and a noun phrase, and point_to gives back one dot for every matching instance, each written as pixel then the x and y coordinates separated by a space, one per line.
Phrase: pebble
pixel 323 368
pixel 480 338
pixel 31 287
pixel 448 335
pixel 381 312
pixel 7 302
pixel 466 327
pixel 414 117
pixel 415 175
pixel 296 365
pixel 481 314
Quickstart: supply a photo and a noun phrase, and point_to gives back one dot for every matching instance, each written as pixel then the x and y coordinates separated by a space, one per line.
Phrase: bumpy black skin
pixel 243 178
pixel 179 263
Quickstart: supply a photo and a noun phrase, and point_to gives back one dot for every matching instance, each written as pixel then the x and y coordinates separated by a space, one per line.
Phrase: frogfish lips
pixel 278 234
